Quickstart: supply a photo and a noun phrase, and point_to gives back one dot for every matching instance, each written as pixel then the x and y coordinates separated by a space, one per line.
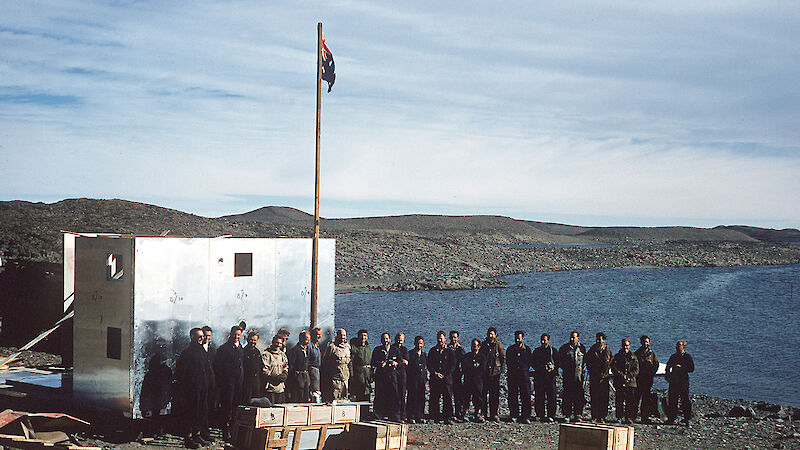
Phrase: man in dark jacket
pixel 518 361
pixel 402 378
pixel 252 369
pixel 229 369
pixel 205 432
pixel 598 364
pixel 458 385
pixel 495 360
pixel 625 367
pixel 679 366
pixel 441 364
pixel 473 366
pixel 299 381
pixel 361 371
pixel 192 381
pixel 648 366
pixel 416 375
pixel 384 362
pixel 572 368
pixel 545 371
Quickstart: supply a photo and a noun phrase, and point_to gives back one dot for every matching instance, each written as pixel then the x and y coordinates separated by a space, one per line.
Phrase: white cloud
pixel 604 109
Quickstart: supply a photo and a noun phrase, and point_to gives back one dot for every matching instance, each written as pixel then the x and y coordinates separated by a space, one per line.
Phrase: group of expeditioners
pixel 235 374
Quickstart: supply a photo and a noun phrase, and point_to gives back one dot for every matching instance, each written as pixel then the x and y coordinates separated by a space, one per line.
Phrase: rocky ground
pixel 717 423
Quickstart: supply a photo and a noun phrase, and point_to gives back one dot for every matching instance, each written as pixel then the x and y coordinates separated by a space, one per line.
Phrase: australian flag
pixel 328 67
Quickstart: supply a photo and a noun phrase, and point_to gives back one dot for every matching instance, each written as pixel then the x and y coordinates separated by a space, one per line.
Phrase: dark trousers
pixel 643 387
pixel 401 393
pixel 572 398
pixel 300 387
pixel 491 385
pixel 598 394
pixel 228 400
pixel 441 390
pixel 195 411
pixel 625 402
pixel 519 390
pixel 459 396
pixel 415 407
pixel 545 387
pixel 276 397
pixel 473 390
pixel 387 402
pixel 679 391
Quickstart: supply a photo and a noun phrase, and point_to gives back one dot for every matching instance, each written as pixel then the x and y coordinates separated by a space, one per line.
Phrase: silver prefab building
pixel 136 298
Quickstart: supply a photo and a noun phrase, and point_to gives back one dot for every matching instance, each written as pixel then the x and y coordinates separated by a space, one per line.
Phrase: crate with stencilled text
pixel 259 417
pixel 588 436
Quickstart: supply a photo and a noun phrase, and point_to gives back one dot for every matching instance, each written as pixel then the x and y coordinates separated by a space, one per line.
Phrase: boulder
pixel 741 411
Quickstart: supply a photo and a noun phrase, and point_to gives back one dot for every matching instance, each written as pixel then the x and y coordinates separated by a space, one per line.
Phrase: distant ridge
pixel 279 214
pixel 767 234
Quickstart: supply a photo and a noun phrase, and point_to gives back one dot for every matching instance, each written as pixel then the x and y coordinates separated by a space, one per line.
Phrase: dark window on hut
pixel 114 267
pixel 114 343
pixel 243 265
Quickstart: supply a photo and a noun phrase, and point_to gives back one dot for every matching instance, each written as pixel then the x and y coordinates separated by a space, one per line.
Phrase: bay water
pixel 742 324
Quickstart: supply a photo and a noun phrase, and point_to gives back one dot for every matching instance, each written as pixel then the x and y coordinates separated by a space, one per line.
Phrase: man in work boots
pixel 495 360
pixel 545 371
pixel 473 366
pixel 336 368
pixel 679 366
pixel 598 364
pixel 385 361
pixel 459 393
pixel 229 370
pixel 299 381
pixel 361 376
pixel 572 356
pixel 441 364
pixel 402 376
pixel 192 384
pixel 648 366
pixel 625 367
pixel 518 360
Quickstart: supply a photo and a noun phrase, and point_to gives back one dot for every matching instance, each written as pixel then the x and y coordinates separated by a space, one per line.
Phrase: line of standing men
pixel 457 378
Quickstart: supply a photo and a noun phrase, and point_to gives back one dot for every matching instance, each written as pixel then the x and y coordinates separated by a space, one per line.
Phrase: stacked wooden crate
pixel 312 426
pixel 588 436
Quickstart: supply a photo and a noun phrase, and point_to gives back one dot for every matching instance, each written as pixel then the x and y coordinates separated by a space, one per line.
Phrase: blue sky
pixel 590 113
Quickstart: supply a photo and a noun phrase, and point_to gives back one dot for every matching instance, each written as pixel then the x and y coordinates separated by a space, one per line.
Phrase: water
pixel 742 323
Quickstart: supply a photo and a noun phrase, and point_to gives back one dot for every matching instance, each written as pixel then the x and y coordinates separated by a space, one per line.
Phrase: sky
pixel 588 113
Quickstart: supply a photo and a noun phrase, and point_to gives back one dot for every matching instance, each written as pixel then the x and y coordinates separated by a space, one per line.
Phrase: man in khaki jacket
pixel 335 368
pixel 276 369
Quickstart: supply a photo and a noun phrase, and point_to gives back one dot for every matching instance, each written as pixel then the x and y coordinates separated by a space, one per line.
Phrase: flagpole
pixel 315 245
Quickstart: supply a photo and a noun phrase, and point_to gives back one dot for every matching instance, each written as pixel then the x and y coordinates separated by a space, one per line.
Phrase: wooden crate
pixel 397 432
pixel 320 415
pixel 295 414
pixel 369 435
pixel 260 417
pixel 284 438
pixel 588 436
pixel 345 413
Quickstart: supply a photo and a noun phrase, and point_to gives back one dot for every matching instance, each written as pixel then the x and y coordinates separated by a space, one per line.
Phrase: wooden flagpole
pixel 315 245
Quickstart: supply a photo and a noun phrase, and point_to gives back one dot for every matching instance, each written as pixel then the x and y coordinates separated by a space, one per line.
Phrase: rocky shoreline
pixel 403 262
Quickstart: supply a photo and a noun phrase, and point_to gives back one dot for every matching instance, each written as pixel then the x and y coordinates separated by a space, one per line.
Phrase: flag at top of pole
pixel 328 67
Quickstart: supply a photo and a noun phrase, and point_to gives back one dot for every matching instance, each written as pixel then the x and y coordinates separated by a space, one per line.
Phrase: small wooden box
pixel 320 415
pixel 295 413
pixel 259 417
pixel 397 433
pixel 587 436
pixel 345 413
pixel 369 435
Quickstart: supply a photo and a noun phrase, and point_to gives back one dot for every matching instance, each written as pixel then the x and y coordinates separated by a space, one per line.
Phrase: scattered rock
pixel 741 411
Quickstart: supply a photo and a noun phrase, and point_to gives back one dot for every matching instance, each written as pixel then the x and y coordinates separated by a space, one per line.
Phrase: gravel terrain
pixel 403 253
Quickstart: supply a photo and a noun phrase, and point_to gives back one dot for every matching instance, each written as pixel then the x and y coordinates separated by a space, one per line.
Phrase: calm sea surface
pixel 742 323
